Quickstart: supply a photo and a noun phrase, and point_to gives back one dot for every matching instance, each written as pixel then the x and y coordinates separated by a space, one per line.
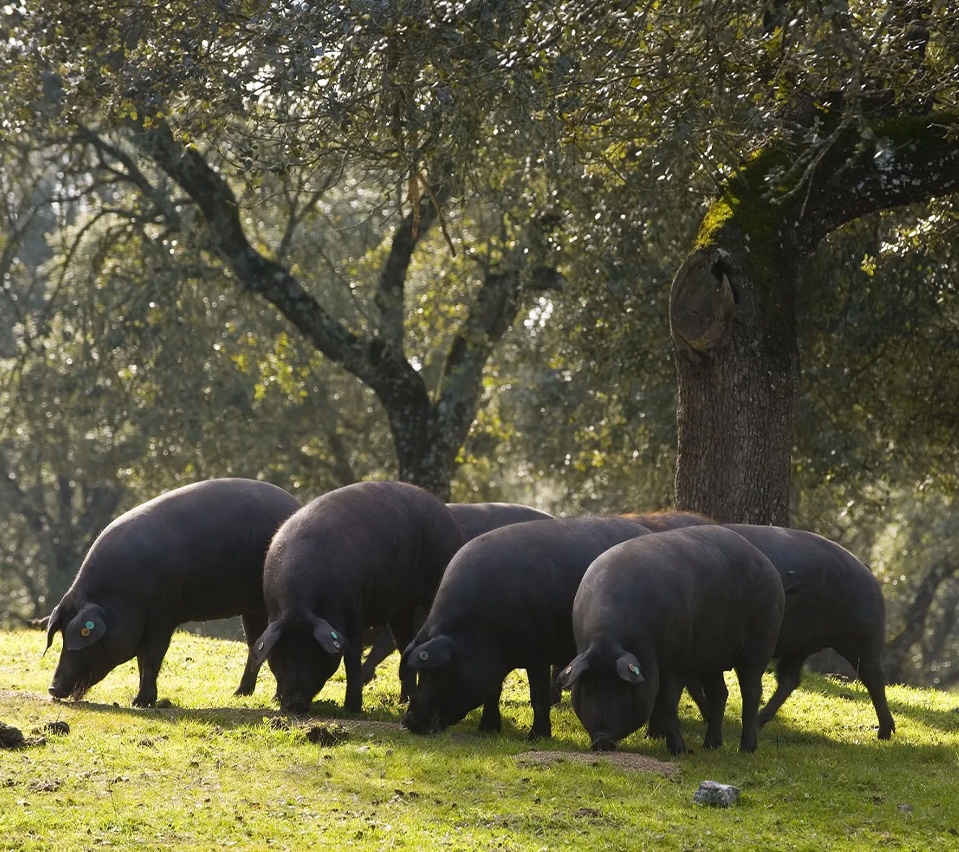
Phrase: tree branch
pixel 368 360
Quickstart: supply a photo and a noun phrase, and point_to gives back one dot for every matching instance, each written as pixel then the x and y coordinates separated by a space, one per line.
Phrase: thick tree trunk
pixel 738 370
pixel 732 308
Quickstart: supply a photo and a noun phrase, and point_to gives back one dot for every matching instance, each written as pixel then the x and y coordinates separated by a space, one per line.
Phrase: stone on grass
pixel 714 793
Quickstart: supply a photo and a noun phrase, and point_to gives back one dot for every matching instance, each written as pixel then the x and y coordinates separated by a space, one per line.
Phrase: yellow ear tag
pixel 85 631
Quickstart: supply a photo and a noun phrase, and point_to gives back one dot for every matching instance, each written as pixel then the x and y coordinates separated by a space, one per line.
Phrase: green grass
pixel 211 771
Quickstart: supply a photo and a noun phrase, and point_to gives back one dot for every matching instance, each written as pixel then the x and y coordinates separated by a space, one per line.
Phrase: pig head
pixel 96 640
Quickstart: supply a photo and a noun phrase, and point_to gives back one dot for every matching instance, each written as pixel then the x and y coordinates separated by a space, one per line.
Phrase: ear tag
pixel 260 646
pixel 634 669
pixel 336 645
pixel 333 634
pixel 424 655
pixel 84 631
pixel 569 670
pixel 90 625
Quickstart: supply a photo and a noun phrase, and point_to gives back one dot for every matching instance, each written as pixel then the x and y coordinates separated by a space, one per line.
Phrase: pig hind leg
pixel 788 676
pixel 870 673
pixel 715 694
pixel 149 659
pixel 750 677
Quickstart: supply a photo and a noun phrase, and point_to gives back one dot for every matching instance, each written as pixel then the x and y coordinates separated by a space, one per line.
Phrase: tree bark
pixel 732 306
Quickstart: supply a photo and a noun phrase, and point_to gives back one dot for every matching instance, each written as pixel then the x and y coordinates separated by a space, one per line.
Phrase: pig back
pixel 375 546
pixel 196 552
pixel 831 596
pixel 695 598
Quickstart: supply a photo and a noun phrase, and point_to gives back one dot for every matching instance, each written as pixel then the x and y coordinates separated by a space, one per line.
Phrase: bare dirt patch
pixel 625 760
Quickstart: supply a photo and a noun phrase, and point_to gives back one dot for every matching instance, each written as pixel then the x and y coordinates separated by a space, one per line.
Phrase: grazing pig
pixel 832 601
pixel 192 554
pixel 475 519
pixel 505 602
pixel 652 611
pixel 361 556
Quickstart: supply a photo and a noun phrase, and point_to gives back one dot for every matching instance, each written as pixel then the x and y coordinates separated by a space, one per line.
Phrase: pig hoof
pixel 603 744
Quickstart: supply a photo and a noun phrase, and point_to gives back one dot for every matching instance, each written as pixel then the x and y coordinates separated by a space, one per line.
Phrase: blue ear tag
pixel 634 669
pixel 333 634
pixel 90 625
pixel 424 655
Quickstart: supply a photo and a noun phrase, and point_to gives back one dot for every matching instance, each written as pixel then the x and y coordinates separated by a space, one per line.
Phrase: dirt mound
pixel 621 759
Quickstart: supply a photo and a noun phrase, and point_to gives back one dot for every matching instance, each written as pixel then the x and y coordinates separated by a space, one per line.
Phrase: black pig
pixel 363 555
pixel 192 554
pixel 475 519
pixel 505 602
pixel 832 601
pixel 652 611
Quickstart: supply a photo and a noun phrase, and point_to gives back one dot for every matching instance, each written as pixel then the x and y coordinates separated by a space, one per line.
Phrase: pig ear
pixel 260 649
pixel 53 625
pixel 568 676
pixel 329 638
pixel 437 652
pixel 627 667
pixel 88 626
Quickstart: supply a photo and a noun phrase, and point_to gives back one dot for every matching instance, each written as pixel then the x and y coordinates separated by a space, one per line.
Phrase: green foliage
pixel 213 770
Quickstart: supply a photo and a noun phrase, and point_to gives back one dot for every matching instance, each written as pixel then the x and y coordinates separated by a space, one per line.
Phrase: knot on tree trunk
pixel 703 303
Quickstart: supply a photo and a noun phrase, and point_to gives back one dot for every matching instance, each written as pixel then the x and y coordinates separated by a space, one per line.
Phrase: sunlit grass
pixel 213 770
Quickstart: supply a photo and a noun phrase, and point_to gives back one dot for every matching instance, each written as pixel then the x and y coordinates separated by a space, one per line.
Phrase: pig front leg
pixel 253 626
pixel 353 663
pixel 666 710
pixel 149 659
pixel 540 698
pixel 491 722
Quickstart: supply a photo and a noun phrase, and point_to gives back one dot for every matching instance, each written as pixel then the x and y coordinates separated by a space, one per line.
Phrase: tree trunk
pixel 732 307
pixel 738 369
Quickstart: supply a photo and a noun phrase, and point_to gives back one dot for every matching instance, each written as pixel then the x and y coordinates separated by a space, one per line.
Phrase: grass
pixel 213 770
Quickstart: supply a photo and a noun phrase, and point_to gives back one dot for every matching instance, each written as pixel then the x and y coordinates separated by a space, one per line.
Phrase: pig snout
pixel 603 742
pixel 298 705
pixel 418 725
pixel 62 689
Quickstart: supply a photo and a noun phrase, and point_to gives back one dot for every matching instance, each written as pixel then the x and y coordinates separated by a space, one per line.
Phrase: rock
pixel 714 793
